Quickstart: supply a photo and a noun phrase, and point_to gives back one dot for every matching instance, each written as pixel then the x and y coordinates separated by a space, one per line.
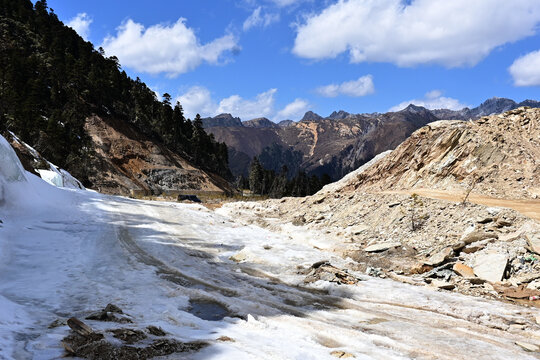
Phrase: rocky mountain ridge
pixel 339 143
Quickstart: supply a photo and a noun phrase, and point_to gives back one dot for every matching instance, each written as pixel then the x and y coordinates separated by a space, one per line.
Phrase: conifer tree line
pixel 262 181
pixel 51 80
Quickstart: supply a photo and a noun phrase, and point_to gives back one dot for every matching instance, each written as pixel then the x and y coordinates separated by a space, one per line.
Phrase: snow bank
pixel 54 175
pixel 60 178
pixel 11 169
pixel 19 187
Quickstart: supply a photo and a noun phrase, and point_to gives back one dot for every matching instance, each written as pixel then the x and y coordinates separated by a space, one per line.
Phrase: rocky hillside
pixel 497 155
pixel 338 143
pixel 403 216
pixel 127 162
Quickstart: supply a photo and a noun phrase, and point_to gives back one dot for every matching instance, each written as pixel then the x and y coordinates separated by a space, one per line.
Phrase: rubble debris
pixel 327 272
pixel 490 266
pixel 382 246
pixel 155 330
pixel 96 347
pixel 110 313
pixel 85 343
pixel 129 336
pixel 442 271
pixel 375 272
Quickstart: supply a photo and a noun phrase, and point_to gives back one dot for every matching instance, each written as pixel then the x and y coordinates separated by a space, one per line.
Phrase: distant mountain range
pixel 335 144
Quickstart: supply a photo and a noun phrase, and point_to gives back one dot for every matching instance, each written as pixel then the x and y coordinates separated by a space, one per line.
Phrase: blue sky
pixel 280 58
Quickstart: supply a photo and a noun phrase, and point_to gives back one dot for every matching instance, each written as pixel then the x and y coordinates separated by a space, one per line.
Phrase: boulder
pixel 490 266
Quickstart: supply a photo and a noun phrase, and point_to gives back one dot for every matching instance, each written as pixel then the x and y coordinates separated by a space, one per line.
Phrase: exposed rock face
pixel 126 161
pixel 497 155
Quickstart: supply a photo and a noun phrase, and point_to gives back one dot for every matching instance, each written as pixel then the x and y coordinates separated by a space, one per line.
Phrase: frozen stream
pixel 68 253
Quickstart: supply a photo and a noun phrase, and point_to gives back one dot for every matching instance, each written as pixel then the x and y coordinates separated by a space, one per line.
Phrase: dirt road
pixel 530 208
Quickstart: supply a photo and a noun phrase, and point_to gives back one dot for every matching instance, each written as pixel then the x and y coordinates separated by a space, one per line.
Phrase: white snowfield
pixel 67 253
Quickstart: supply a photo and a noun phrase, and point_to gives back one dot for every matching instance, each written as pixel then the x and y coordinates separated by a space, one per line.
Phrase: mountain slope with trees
pixel 52 82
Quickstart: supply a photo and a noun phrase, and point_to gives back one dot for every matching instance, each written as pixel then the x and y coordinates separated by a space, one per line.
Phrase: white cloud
pixel 432 100
pixel 81 24
pixel 171 49
pixel 199 100
pixel 261 105
pixel 293 110
pixel 361 87
pixel 256 19
pixel 450 33
pixel 526 70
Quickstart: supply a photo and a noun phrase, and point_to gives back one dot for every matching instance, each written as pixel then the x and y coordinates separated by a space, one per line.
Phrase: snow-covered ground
pixel 67 253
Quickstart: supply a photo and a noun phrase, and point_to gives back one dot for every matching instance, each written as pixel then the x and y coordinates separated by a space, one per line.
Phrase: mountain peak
pixel 311 116
pixel 261 122
pixel 224 119
pixel 341 114
pixel 414 108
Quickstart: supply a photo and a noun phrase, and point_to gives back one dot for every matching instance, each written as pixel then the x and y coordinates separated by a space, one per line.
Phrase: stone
pixel 533 240
pixel 420 268
pixel 440 257
pixel 341 354
pixel 537 320
pixel 484 220
pixel 382 246
pixel 527 347
pixel 463 270
pixel 472 248
pixel 477 236
pixel 79 327
pixel 490 266
pixel 442 284
pixel 503 223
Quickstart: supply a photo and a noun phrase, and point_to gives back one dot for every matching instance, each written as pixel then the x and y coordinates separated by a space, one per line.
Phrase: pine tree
pixel 256 174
